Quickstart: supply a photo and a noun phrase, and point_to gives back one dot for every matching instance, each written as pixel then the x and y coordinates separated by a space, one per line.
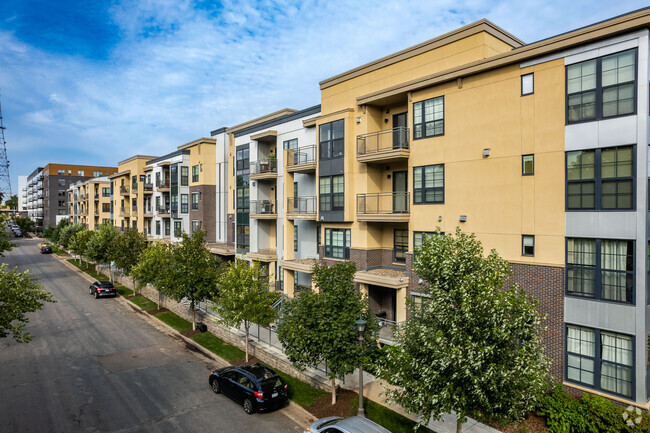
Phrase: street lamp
pixel 361 326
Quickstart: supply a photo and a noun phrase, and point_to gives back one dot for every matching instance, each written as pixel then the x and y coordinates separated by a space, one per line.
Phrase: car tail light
pixel 286 387
pixel 258 394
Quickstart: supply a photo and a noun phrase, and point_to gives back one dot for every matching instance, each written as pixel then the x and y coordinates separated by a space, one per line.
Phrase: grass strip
pixel 174 321
pixel 301 393
pixel 143 303
pixel 387 418
pixel 123 291
pixel 217 346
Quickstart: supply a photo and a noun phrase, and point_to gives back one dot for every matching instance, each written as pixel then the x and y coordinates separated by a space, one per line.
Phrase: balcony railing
pixel 147 187
pixel 162 209
pixel 389 143
pixel 124 190
pixel 262 207
pixel 388 205
pixel 303 155
pixel 134 208
pixel 124 212
pixel 96 196
pixel 262 167
pixel 301 205
pixel 162 184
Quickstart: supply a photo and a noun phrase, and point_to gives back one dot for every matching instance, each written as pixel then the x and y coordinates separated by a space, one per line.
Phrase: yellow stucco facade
pixel 129 193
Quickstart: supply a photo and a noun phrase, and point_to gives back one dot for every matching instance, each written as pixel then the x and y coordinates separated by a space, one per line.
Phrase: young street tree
pixel 12 202
pixel 319 328
pixel 473 346
pixel 193 272
pixel 127 248
pixel 25 224
pixel 79 244
pixel 98 248
pixel 57 230
pixel 19 294
pixel 244 297
pixel 152 264
pixel 5 240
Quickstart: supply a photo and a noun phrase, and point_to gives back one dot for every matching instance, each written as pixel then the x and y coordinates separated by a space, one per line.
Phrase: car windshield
pixel 270 384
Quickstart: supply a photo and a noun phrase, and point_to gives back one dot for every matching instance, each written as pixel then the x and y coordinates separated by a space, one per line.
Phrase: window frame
pixel 523 245
pixel 185 204
pixel 420 194
pixel 523 164
pixel 532 88
pixel 329 248
pixel 420 120
pixel 399 254
pixel 185 175
pixel 195 173
pixel 331 196
pixel 178 229
pixel 326 147
pixel 195 204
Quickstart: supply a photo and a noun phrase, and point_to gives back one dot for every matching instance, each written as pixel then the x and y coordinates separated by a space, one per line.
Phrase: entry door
pixel 399 135
pixel 399 191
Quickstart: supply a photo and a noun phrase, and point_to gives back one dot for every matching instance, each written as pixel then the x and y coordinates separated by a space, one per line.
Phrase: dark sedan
pixel 256 387
pixel 102 288
pixel 46 249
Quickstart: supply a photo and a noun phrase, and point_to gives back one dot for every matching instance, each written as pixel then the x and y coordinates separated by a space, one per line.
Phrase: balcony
pixel 134 209
pixel 148 212
pixel 302 160
pixel 263 209
pixel 147 188
pixel 125 212
pixel 261 170
pixel 384 146
pixel 163 210
pixel 124 190
pixel 162 185
pixel 384 207
pixel 301 208
pixel 96 197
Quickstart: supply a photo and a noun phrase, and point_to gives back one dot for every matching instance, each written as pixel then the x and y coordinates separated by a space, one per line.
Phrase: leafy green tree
pixel 192 273
pixel 12 202
pixel 5 239
pixel 244 297
pixel 473 346
pixel 57 230
pixel 68 233
pixel 98 247
pixel 317 328
pixel 25 224
pixel 19 294
pixel 79 244
pixel 127 248
pixel 151 266
pixel 48 232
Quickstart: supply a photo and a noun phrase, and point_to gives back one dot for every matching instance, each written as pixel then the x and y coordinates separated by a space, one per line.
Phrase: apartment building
pixel 128 189
pixel 45 195
pixel 89 202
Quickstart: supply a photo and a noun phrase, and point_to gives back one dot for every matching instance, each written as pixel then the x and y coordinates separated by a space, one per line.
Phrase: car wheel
pixel 248 406
pixel 90 290
pixel 96 295
pixel 215 386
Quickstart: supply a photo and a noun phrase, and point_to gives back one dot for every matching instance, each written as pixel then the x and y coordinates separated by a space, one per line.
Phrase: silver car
pixel 336 424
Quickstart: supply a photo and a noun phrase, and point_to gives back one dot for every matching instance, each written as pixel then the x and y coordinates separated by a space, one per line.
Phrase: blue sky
pixel 97 81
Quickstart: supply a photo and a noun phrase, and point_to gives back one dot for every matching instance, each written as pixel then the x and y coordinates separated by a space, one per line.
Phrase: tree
pixel 79 244
pixel 127 248
pixel 12 203
pixel 473 346
pixel 57 230
pixel 98 247
pixel 25 224
pixel 5 240
pixel 151 266
pixel 192 273
pixel 244 297
pixel 19 294
pixel 318 328
pixel 68 233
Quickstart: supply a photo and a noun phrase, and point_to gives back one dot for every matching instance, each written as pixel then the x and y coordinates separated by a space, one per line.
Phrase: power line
pixel 5 179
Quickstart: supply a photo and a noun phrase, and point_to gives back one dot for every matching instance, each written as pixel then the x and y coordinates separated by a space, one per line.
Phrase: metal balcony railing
pixel 162 184
pixel 262 207
pixel 162 209
pixel 124 212
pixel 301 205
pixel 267 166
pixel 382 141
pixel 383 203
pixel 148 187
pixel 302 155
pixel 124 190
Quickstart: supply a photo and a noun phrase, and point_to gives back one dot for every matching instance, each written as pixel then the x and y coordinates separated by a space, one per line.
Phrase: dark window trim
pixel 532 74
pixel 423 189
pixel 328 248
pixel 330 142
pixel 331 194
pixel 424 135
pixel 403 250
pixel 599 89
pixel 523 171
pixel 598 360
pixel 522 246
pixel 598 269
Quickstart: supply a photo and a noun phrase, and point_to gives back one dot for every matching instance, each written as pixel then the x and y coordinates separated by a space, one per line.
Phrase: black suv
pixel 256 387
pixel 102 288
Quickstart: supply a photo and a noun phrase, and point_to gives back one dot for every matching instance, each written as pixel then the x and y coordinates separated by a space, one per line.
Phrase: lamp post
pixel 361 326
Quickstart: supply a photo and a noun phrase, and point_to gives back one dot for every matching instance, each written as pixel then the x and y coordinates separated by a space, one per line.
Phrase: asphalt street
pixel 96 366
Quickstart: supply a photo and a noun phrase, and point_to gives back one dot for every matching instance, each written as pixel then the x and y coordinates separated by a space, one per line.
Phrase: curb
pixel 293 411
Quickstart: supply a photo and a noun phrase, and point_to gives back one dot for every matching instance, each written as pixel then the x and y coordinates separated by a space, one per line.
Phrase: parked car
pixel 256 387
pixel 353 424
pixel 103 288
pixel 18 233
pixel 46 249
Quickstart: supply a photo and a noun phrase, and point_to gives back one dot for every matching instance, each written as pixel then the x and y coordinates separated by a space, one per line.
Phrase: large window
pixel 178 229
pixel 185 176
pixel 601 360
pixel 242 160
pixel 429 184
pixel 184 203
pixel 195 201
pixel 331 139
pixel 600 269
pixel 429 118
pixel 601 88
pixel 106 192
pixel 400 245
pixel 331 193
pixel 337 243
pixel 195 173
pixel 600 179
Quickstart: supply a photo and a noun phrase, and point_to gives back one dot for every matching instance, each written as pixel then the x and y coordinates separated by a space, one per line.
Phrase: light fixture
pixel 463 218
pixel 358 119
pixel 440 218
pixel 486 152
pixel 361 326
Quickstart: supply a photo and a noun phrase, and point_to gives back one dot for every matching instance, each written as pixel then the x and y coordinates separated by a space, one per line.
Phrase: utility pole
pixel 5 179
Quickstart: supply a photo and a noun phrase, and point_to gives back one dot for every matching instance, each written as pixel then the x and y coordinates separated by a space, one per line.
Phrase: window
pixel 429 184
pixel 601 360
pixel 527 84
pixel 195 225
pixel 600 269
pixel 134 204
pixel 61 203
pixel 61 172
pixel 184 203
pixel 195 201
pixel 157 227
pixel 400 245
pixel 337 243
pixel 527 245
pixel 600 179
pixel 243 236
pixel 527 165
pixel 332 193
pixel 184 176
pixel 295 237
pixel 331 139
pixel 242 157
pixel 167 227
pixel 106 207
pixel 601 88
pixel 106 192
pixel 291 144
pixel 429 118
pixel 61 182
pixel 418 238
pixel 61 193
pixel 61 212
pixel 97 173
pixel 195 173
pixel 178 229
pixel 80 173
pixel 318 235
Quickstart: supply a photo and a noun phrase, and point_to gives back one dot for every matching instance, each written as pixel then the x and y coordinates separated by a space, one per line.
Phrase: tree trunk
pixel 159 299
pixel 333 391
pixel 246 326
pixel 459 427
pixel 194 317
